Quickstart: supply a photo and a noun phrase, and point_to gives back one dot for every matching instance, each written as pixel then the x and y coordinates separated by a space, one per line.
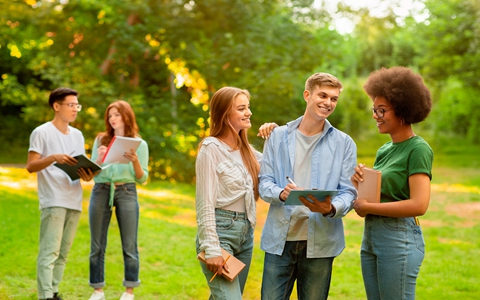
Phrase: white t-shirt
pixel 55 188
pixel 302 168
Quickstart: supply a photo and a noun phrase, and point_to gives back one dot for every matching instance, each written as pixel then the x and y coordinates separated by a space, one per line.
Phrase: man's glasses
pixel 380 112
pixel 73 105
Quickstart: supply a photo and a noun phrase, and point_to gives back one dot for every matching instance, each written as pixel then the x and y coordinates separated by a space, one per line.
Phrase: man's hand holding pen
pixel 286 191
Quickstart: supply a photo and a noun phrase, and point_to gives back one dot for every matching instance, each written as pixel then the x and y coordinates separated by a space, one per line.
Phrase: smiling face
pixel 388 123
pixel 239 115
pixel 116 121
pixel 321 102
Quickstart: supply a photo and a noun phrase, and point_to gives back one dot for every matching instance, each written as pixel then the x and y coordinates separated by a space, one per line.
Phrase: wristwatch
pixel 331 213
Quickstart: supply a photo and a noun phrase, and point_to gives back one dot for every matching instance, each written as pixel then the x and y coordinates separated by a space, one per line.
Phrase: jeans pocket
pixel 130 189
pixel 224 223
pixel 397 224
pixel 419 241
pixel 97 187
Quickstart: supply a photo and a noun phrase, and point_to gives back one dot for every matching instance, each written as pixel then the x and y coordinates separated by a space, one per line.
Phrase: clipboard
pixel 118 146
pixel 319 194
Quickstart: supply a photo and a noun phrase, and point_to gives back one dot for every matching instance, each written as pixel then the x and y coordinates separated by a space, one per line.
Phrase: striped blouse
pixel 221 181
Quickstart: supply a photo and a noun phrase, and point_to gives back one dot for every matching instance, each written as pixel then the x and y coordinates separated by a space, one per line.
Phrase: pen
pixel 214 275
pixel 291 181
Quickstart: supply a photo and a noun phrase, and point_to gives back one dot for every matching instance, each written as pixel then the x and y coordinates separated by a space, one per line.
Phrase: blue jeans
pixel 57 231
pixel 99 213
pixel 313 275
pixel 392 253
pixel 236 236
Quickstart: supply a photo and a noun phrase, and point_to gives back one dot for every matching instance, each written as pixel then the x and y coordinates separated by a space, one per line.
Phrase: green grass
pixel 169 269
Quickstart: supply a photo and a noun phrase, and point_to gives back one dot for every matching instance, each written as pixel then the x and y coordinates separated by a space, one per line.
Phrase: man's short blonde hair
pixel 322 79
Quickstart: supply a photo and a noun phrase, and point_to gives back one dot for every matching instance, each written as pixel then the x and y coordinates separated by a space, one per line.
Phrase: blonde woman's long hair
pixel 220 106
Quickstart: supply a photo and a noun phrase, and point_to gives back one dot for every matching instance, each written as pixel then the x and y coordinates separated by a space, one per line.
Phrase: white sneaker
pixel 97 296
pixel 127 296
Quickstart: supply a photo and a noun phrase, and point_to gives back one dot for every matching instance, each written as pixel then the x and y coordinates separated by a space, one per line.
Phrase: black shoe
pixel 56 296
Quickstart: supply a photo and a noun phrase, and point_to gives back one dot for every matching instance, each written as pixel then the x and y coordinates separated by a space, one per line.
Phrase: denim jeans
pixel 391 255
pixel 236 236
pixel 57 231
pixel 99 213
pixel 313 275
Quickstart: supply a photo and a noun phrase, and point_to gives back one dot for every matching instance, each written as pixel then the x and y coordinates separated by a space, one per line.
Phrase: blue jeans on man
pixel 313 275
pixel 127 213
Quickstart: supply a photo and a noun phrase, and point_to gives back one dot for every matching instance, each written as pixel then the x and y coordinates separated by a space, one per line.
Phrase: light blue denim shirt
pixel 333 161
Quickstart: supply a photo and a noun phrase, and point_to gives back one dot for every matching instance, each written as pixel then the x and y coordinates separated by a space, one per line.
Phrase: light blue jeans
pixel 391 255
pixel 57 231
pixel 313 275
pixel 127 212
pixel 236 236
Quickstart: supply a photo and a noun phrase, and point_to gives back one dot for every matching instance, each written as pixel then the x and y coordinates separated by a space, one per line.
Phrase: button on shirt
pixel 333 163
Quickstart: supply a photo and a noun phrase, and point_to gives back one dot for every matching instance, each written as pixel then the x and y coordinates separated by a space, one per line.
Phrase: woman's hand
pixel 265 130
pixel 358 176
pixel 101 153
pixel 360 206
pixel 131 156
pixel 215 264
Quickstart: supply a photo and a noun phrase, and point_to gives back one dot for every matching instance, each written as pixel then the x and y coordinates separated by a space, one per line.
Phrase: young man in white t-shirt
pixel 60 198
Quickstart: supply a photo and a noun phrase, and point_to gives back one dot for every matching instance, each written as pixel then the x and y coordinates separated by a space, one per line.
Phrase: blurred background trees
pixel 167 57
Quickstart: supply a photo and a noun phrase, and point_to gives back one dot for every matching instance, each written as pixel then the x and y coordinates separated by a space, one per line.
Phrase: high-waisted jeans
pixel 236 236
pixel 391 255
pixel 100 213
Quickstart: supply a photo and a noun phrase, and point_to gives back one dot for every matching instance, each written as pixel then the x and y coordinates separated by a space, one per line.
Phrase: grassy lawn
pixel 169 269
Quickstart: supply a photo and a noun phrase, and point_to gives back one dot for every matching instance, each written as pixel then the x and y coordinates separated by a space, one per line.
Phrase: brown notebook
pixel 235 266
pixel 370 187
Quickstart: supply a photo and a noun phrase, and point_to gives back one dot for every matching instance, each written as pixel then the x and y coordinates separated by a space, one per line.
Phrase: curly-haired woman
pixel 393 247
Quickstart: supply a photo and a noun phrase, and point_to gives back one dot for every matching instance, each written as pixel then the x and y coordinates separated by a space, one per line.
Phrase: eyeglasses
pixel 380 112
pixel 73 105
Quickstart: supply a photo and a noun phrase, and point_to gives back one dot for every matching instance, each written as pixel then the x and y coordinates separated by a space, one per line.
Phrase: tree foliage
pixel 167 57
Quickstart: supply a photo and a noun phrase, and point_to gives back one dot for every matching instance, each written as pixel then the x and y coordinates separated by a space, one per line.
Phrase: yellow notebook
pixel 371 185
pixel 235 266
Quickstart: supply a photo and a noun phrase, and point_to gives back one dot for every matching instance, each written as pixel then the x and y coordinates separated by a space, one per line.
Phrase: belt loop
pixel 235 216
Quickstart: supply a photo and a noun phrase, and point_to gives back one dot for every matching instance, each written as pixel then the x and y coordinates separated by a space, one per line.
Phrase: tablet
pixel 319 194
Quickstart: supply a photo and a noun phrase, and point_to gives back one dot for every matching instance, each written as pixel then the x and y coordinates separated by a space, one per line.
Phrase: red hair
pixel 128 117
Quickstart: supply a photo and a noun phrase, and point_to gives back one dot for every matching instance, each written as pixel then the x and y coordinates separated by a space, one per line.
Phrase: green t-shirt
pixel 398 161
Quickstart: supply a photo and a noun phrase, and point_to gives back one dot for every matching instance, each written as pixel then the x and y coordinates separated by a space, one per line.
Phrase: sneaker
pixel 127 296
pixel 97 296
pixel 56 296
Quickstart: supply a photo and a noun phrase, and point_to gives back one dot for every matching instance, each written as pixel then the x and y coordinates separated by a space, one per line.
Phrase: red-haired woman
pixel 227 186
pixel 116 187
